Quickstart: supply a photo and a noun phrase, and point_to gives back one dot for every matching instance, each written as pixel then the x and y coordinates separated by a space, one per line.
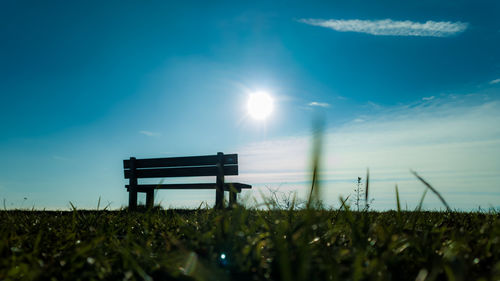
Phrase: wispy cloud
pixel 319 104
pixel 496 81
pixel 428 98
pixel 149 133
pixel 392 27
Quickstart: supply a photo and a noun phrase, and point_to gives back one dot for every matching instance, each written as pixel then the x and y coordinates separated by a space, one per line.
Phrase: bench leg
pixel 232 198
pixel 219 199
pixel 219 189
pixel 132 199
pixel 150 199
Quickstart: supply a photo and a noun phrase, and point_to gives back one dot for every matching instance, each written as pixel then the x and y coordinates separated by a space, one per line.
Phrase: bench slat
pixel 227 187
pixel 182 172
pixel 181 161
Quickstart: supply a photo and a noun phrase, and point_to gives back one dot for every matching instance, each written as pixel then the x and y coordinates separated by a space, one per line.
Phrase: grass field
pixel 242 244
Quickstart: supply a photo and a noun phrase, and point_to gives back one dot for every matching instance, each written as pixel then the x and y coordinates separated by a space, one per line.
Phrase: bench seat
pixel 227 186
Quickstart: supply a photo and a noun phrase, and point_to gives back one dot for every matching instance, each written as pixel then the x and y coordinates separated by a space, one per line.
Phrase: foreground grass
pixel 249 245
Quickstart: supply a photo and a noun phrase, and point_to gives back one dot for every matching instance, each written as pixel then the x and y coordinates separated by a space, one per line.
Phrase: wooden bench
pixel 219 165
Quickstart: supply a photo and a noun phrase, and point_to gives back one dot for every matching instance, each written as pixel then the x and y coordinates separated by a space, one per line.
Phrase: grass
pixel 242 244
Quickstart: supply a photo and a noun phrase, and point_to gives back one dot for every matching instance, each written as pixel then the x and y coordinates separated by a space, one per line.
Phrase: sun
pixel 260 105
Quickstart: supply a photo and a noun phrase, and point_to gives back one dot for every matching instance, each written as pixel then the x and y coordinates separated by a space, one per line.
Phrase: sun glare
pixel 260 105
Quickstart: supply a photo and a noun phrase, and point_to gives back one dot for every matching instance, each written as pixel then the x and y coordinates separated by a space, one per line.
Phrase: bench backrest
pixel 192 166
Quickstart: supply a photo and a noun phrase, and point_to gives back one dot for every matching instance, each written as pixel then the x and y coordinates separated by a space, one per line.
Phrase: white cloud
pixel 428 98
pixel 319 104
pixel 496 81
pixel 391 27
pixel 149 133
pixel 453 143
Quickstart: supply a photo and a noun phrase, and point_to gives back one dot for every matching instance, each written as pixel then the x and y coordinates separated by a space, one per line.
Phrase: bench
pixel 219 165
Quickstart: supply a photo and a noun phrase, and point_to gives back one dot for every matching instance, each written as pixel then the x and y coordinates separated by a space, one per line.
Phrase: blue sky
pixel 84 85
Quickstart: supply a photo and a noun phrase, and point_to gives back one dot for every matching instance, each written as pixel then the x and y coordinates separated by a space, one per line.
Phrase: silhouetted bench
pixel 219 165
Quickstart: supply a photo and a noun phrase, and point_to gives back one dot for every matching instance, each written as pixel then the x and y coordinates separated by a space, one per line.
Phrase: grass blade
pixel 398 216
pixel 419 207
pixel 343 205
pixel 366 189
pixel 397 200
pixel 433 190
pixel 318 136
pixel 416 214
